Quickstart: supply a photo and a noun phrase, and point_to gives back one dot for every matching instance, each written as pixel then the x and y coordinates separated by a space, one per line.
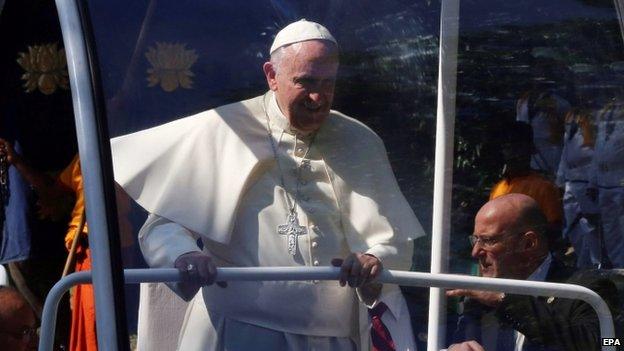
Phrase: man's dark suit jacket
pixel 547 323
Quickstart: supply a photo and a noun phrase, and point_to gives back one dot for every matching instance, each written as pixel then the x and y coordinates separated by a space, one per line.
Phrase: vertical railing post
pixel 443 178
pixel 90 142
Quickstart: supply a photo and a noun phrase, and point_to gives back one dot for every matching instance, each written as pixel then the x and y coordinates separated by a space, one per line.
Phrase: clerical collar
pixel 280 121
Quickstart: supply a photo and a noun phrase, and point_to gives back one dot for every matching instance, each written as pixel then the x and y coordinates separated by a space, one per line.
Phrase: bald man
pixel 509 242
pixel 18 325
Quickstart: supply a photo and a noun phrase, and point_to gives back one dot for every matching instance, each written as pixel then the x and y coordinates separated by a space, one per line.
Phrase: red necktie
pixel 380 336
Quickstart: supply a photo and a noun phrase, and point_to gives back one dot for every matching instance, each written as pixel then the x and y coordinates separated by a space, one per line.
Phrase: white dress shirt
pixel 396 319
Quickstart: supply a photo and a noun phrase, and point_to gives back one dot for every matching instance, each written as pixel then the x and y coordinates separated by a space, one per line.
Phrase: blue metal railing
pixel 93 151
pixel 134 276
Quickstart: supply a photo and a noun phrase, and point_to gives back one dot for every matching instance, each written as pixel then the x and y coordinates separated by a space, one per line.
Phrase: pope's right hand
pixel 197 270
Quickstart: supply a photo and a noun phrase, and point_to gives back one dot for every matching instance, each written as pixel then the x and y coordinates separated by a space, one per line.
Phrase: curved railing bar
pixel 97 174
pixel 134 276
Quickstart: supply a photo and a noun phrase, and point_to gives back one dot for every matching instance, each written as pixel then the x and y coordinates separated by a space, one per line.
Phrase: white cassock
pixel 573 175
pixel 608 177
pixel 213 176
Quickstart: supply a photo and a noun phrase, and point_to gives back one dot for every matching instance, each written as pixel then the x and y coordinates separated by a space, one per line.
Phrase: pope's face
pixel 304 83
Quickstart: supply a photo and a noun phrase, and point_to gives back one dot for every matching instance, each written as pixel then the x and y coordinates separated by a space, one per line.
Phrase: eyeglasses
pixel 25 334
pixel 488 242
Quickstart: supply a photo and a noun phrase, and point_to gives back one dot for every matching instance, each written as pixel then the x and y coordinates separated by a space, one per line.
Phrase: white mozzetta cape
pixel 198 170
pixel 195 170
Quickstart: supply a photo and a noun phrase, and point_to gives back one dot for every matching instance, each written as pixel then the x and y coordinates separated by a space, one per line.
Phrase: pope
pixel 277 180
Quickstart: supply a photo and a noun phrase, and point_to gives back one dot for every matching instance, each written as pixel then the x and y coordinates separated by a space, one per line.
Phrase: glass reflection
pixel 538 101
pixel 162 61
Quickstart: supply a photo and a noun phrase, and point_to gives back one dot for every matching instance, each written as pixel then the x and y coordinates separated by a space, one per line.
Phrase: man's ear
pixel 270 74
pixel 530 240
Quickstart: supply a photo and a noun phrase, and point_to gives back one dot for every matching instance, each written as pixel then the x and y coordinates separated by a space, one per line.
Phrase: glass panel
pixel 162 61
pixel 555 66
pixel 538 113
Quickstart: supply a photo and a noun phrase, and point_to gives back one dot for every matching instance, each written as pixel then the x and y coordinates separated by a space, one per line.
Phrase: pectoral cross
pixel 292 230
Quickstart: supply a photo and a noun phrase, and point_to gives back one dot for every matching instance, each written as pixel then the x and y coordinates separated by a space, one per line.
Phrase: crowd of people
pixel 56 195
pixel 283 180
pixel 579 150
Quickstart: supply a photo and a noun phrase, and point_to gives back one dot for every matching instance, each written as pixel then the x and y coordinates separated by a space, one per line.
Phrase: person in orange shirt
pixel 53 197
pixel 518 177
pixel 83 335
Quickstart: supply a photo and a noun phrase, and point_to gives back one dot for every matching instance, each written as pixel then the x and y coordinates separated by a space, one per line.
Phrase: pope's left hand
pixel 358 269
pixel 488 298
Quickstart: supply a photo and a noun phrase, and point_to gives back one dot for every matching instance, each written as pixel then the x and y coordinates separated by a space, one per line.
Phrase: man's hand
pixel 358 269
pixel 466 346
pixel 197 270
pixel 488 298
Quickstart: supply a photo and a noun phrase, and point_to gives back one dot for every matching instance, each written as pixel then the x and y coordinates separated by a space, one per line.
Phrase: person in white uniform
pixel 276 180
pixel 545 112
pixel 579 208
pixel 608 179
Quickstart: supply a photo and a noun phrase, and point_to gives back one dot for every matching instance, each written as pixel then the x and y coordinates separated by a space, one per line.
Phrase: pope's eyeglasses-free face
pixel 304 82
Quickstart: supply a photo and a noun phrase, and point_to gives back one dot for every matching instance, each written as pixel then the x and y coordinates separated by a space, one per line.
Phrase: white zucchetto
pixel 299 31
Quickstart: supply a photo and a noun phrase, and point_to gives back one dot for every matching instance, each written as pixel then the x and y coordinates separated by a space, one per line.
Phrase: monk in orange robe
pixel 83 335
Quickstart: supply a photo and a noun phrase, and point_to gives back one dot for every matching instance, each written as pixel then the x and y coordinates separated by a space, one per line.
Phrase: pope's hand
pixel 358 269
pixel 197 270
pixel 466 346
pixel 488 298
